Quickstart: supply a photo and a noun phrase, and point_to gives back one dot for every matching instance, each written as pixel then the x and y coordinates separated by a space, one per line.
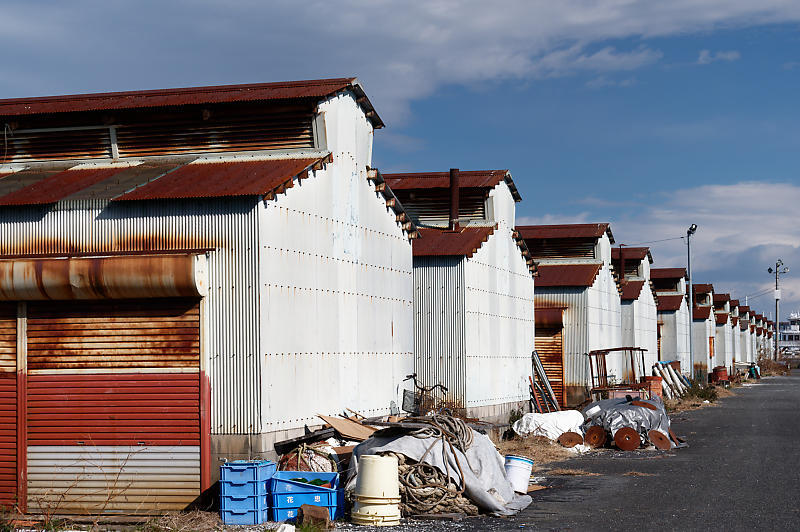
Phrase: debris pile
pixel 629 423
pixel 445 467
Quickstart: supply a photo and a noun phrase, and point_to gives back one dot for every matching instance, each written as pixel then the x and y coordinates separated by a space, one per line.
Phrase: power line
pixel 655 241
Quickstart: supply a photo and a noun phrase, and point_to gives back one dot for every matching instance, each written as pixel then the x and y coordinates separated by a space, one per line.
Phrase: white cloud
pixel 602 82
pixel 742 229
pixel 403 51
pixel 706 57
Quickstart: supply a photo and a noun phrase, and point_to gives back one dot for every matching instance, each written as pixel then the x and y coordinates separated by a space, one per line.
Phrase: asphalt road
pixel 740 472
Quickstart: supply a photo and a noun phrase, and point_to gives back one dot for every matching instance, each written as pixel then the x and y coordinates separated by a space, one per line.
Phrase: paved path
pixel 740 472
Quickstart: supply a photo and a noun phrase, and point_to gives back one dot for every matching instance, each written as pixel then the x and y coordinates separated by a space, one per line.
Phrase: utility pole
pixel 778 271
pixel 689 233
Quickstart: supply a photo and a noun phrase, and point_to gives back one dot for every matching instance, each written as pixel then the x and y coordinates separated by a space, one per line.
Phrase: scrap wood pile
pixel 627 423
pixel 326 450
pixel 444 467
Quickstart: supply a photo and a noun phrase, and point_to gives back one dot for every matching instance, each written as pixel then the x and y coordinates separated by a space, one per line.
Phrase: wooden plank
pixel 348 428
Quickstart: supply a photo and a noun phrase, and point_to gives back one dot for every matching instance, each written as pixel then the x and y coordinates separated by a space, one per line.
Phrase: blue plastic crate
pixel 247 470
pixel 285 514
pixel 243 489
pixel 244 517
pixel 253 502
pixel 287 496
pixel 281 482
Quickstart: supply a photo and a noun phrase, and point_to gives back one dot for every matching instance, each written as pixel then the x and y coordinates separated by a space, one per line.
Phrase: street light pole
pixel 778 271
pixel 689 233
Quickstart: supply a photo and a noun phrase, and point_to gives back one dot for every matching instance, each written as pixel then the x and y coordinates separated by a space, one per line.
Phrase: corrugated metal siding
pixel 575 335
pixel 114 409
pixel 114 335
pixel 227 225
pixel 336 291
pixel 499 310
pixel 550 347
pixel 111 479
pixel 432 208
pixel 557 249
pixel 8 405
pixel 439 324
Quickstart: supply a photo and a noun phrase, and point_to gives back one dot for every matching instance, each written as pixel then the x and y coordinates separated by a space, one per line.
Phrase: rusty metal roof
pixel 734 320
pixel 567 274
pixel 149 181
pixel 669 303
pixel 631 290
pixel 53 188
pixel 531 232
pixel 466 179
pixel 284 90
pixel 734 303
pixel 701 313
pixel 442 242
pixel 220 179
pixel 721 298
pixel 667 273
pixel 722 318
pixel 743 308
pixel 703 288
pixel 631 253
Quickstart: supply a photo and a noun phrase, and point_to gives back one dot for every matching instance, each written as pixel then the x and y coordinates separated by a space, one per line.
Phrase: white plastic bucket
pixel 377 494
pixel 518 471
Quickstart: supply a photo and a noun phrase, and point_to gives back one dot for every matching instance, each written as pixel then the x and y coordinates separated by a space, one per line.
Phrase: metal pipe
pixel 454 199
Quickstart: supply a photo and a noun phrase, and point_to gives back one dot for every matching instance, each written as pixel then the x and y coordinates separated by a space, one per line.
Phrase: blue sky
pixel 651 115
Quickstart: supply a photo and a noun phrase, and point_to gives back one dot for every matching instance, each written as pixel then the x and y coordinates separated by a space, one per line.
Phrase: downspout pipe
pixel 454 199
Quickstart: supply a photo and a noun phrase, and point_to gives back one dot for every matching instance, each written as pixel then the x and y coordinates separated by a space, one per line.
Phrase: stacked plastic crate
pixel 292 489
pixel 244 491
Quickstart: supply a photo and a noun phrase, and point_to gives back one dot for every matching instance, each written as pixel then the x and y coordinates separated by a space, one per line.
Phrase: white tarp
pixel 550 425
pixel 485 480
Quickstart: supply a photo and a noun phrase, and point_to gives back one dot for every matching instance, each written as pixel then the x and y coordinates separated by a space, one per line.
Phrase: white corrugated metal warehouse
pixel 210 267
pixel 577 302
pixel 673 315
pixel 638 301
pixel 473 289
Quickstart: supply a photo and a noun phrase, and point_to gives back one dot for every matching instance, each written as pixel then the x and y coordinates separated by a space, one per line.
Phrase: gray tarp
pixel 485 479
pixel 617 413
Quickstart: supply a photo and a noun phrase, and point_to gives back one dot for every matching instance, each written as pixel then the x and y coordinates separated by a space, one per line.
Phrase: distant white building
pixel 473 289
pixel 703 330
pixel 577 303
pixel 673 315
pixel 724 331
pixel 638 300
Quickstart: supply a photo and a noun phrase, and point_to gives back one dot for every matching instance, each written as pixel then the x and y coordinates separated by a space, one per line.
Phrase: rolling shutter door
pixel 8 405
pixel 549 347
pixel 113 406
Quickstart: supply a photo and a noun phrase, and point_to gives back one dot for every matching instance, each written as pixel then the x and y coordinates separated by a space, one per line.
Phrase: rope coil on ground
pixel 426 489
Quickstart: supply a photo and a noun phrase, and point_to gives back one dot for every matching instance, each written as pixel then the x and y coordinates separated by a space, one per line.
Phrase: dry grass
pixel 771 368
pixel 537 448
pixel 195 521
pixel 637 474
pixel 683 405
pixel 572 472
pixel 724 392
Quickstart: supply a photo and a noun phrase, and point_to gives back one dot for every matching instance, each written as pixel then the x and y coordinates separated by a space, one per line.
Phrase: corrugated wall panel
pixel 575 335
pixel 229 226
pixel 114 409
pixel 106 479
pixel 439 324
pixel 8 404
pixel 114 334
pixel 550 347
pixel 500 330
pixel 336 288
